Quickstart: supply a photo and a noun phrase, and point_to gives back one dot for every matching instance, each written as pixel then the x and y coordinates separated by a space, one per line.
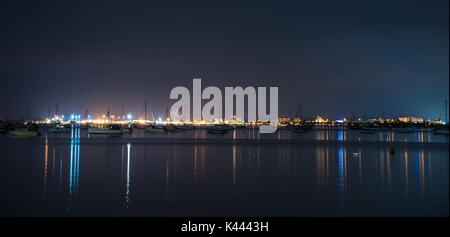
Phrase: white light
pixel 129 116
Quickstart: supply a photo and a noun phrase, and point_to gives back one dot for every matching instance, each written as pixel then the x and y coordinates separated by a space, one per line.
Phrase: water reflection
pixel 343 176
pixel 341 160
pixel 127 193
pixel 45 167
pixel 74 164
pixel 171 171
pixel 234 170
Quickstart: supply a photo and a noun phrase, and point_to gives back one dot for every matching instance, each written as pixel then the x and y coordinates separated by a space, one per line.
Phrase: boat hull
pixel 217 131
pixel 188 128
pixel 174 129
pixel 104 131
pixel 155 130
pixel 24 133
pixel 60 130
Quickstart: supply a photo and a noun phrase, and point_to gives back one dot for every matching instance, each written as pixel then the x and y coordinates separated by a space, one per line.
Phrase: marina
pixel 219 117
pixel 152 174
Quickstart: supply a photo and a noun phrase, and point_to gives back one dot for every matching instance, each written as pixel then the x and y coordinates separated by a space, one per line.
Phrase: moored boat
pixel 219 129
pixel 24 132
pixel 172 128
pixel 188 127
pixel 355 125
pixel 111 129
pixel 155 129
pixel 60 129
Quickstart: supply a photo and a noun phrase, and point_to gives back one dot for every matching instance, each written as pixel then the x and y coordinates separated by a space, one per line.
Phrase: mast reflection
pixel 45 168
pixel 127 192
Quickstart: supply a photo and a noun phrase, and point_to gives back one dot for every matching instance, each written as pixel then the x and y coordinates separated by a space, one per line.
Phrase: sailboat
pixel 219 128
pixel 188 127
pixel 113 129
pixel 127 130
pixel 110 129
pixel 155 129
pixel 24 132
pixel 173 128
pixel 60 129
pixel 444 129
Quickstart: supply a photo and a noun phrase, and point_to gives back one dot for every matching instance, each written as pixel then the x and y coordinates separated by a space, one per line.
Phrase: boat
pixel 188 127
pixel 368 131
pixel 404 130
pixel 60 129
pixel 219 129
pixel 84 126
pixel 111 129
pixel 355 126
pixel 24 132
pixel 155 129
pixel 172 128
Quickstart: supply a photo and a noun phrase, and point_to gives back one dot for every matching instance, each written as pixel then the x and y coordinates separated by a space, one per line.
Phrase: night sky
pixel 386 57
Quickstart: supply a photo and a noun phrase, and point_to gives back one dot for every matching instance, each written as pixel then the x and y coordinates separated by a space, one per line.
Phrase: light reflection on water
pixel 74 164
pixel 245 178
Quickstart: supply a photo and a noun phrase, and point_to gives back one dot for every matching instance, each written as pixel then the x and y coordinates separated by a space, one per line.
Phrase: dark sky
pixel 377 56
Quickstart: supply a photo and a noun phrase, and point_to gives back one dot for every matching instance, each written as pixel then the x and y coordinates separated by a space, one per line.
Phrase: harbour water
pixel 326 172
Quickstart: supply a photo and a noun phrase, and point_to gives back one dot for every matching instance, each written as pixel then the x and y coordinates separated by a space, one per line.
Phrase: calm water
pixel 242 173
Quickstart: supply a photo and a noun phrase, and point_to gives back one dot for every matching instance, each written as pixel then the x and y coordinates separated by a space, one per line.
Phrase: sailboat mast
pixel 446 111
pixel 122 113
pixel 301 110
pixel 145 112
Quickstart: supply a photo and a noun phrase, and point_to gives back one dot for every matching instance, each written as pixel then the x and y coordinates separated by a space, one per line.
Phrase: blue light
pixel 72 116
pixel 339 120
